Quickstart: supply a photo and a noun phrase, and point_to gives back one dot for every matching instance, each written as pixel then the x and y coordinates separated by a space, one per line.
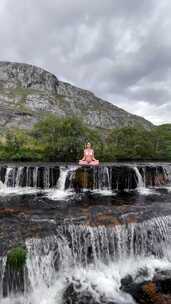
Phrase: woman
pixel 88 158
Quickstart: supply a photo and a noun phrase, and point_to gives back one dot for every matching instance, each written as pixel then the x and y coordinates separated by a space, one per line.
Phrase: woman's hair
pixel 88 143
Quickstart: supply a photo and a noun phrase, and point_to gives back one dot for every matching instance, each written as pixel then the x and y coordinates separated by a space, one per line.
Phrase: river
pixel 85 229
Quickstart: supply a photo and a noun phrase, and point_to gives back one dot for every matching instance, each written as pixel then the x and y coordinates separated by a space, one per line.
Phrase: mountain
pixel 28 92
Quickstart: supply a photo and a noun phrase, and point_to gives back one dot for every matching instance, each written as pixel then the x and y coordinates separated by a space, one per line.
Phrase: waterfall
pixel 140 182
pixel 62 178
pixel 120 242
pixel 105 179
pixel 65 177
pixel 35 171
pixel 2 270
pixel 167 173
pixel 10 177
pixel 13 179
pixel 28 181
pixel 46 180
pixel 36 177
pixel 81 246
pixel 102 179
pixel 19 176
pixel 92 259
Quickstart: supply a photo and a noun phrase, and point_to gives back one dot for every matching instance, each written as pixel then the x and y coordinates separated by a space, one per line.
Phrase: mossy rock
pixel 16 258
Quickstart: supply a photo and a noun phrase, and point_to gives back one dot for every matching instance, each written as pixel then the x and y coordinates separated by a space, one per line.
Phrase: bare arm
pixel 84 156
pixel 93 158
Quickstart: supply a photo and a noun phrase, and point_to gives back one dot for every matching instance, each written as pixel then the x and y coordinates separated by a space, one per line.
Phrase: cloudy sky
pixel 119 49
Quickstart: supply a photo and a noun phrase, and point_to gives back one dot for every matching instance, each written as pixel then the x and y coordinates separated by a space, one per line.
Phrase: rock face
pixel 27 92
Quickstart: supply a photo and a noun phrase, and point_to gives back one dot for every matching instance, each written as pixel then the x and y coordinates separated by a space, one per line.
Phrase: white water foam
pixel 102 281
pixel 59 195
pixel 148 191
pixel 4 191
pixel 99 278
pixel 104 192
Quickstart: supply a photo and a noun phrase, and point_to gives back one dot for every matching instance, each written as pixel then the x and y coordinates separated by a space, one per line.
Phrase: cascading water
pixel 35 172
pixel 19 176
pixel 60 192
pixel 167 174
pixel 82 253
pixel 102 180
pixel 27 179
pixel 2 271
pixel 92 259
pixel 88 260
pixel 140 182
pixel 46 176
pixel 10 177
pixel 62 178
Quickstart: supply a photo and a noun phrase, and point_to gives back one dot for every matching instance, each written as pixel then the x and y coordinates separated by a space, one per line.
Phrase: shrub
pixel 16 258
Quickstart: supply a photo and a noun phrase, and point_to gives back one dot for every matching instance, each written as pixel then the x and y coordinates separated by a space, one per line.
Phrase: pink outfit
pixel 88 158
pixel 92 163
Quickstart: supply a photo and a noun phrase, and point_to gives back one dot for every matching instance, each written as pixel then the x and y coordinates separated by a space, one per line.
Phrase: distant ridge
pixel 27 92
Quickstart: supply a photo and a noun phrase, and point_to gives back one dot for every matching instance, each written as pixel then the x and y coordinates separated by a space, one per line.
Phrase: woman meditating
pixel 88 158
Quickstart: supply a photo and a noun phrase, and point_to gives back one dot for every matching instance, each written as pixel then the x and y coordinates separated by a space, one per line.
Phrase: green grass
pixel 16 258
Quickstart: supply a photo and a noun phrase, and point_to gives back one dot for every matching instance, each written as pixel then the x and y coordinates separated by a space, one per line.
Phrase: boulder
pixel 156 291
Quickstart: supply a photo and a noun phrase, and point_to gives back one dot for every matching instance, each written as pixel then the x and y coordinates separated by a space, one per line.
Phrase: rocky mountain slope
pixel 27 92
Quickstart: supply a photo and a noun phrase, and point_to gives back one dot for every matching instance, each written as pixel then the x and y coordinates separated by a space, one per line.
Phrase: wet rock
pixel 2 173
pixel 163 281
pixel 75 295
pixel 83 179
pixel 115 177
pixel 123 177
pixel 157 291
pixel 126 281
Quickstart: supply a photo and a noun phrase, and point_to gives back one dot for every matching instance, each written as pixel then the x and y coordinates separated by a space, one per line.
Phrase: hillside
pixel 28 92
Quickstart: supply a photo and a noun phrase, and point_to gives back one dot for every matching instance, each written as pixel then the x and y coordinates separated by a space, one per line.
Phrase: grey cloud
pixel 119 49
pixel 157 96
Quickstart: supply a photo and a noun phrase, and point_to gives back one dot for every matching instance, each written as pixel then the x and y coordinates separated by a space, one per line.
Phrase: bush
pixel 16 258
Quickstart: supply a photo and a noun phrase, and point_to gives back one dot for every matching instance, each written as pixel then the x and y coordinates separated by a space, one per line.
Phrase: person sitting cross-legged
pixel 88 158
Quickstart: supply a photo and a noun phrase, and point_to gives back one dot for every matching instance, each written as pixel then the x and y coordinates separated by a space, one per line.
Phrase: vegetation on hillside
pixel 57 139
